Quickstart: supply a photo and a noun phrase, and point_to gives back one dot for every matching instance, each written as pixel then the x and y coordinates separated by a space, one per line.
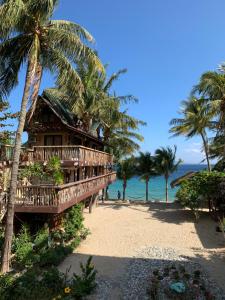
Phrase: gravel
pixel 134 285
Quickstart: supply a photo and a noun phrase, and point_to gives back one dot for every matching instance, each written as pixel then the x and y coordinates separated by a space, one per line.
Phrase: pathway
pixel 118 232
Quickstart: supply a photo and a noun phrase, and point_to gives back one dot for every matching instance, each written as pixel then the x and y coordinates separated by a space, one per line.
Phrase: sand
pixel 118 231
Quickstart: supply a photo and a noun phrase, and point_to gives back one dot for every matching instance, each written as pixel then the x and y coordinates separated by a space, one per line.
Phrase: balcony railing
pixel 55 199
pixel 79 155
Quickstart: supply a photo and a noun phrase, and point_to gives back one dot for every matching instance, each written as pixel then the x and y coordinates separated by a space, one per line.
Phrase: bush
pixel 48 285
pixel 202 187
pixel 54 256
pixel 23 248
pixel 83 285
pixel 73 222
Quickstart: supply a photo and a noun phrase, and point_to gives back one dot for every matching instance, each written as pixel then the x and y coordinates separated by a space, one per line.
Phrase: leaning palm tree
pixel 125 171
pixel 212 86
pixel 29 37
pixel 166 164
pixel 197 116
pixel 146 169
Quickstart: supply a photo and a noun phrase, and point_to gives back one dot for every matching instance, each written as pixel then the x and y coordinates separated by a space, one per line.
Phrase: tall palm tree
pixel 212 86
pixel 125 171
pixel 166 164
pixel 146 169
pixel 100 110
pixel 29 37
pixel 197 117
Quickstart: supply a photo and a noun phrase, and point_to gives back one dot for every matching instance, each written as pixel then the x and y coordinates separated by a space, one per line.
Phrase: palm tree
pixel 212 86
pixel 125 171
pixel 100 110
pixel 166 164
pixel 146 168
pixel 31 38
pixel 197 117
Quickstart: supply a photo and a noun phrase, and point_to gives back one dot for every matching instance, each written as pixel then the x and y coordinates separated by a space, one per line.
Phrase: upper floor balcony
pixel 75 155
pixel 55 199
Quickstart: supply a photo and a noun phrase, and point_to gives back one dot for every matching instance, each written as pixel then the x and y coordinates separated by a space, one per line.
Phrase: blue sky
pixel 165 45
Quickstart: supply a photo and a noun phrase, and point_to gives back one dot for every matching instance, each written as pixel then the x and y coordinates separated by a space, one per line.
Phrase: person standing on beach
pixel 118 195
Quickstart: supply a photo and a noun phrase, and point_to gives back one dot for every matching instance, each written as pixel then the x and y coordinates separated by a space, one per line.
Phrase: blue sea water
pixel 136 188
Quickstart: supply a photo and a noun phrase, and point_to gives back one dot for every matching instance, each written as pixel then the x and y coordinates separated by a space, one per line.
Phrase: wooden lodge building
pixel 87 170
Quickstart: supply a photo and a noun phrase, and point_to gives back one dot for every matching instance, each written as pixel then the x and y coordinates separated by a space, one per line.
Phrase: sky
pixel 165 44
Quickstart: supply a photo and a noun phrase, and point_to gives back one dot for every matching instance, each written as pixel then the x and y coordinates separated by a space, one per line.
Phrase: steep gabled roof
pixel 61 110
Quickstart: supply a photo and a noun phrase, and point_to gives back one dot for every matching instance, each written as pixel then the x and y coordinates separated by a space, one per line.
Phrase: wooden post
pixel 91 204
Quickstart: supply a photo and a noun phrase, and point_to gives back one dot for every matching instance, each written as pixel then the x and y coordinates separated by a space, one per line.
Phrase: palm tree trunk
pixel 167 198
pixel 147 181
pixel 206 148
pixel 36 87
pixel 6 253
pixel 124 188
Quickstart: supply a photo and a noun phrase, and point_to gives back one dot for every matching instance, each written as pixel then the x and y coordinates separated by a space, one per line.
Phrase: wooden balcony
pixel 73 155
pixel 55 199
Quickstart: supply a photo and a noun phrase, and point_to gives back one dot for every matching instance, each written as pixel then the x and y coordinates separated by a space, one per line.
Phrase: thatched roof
pixel 180 179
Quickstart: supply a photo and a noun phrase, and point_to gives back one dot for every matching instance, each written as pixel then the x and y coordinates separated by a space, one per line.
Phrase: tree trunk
pixel 147 181
pixel 167 198
pixel 124 188
pixel 6 253
pixel 206 148
pixel 36 87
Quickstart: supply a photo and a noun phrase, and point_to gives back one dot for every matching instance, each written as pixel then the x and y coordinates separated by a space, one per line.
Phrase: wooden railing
pixel 46 198
pixel 6 153
pixel 78 154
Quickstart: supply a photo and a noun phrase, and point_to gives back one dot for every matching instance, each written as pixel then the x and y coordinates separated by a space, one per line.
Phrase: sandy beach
pixel 119 231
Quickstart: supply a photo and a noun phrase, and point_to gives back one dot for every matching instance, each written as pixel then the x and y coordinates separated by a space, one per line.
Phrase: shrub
pixel 23 247
pixel 73 221
pixel 54 256
pixel 202 187
pixel 47 285
pixel 85 283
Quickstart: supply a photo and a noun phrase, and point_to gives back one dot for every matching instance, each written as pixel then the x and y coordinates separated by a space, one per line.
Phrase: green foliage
pixel 84 284
pixel 165 160
pixel 54 256
pixel 47 285
pixel 48 249
pixel 51 171
pixel 6 135
pixel 201 187
pixel 73 222
pixel 23 247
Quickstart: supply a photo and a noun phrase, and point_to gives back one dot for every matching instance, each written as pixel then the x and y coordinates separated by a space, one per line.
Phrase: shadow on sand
pixel 114 273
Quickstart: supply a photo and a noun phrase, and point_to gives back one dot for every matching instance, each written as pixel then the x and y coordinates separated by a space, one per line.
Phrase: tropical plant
pixel 99 110
pixel 125 171
pixel 166 164
pixel 212 87
pixel 203 187
pixel 6 136
pixel 146 169
pixel 30 37
pixel 198 116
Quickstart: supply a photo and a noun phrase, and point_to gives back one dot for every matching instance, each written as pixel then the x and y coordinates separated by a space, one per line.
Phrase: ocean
pixel 136 188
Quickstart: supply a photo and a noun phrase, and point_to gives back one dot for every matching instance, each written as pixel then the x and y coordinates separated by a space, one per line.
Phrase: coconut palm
pixel 212 86
pixel 197 117
pixel 146 168
pixel 31 39
pixel 100 110
pixel 166 164
pixel 125 171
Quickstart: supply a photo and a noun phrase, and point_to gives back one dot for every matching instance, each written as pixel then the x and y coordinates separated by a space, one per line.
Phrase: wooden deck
pixel 76 155
pixel 55 199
